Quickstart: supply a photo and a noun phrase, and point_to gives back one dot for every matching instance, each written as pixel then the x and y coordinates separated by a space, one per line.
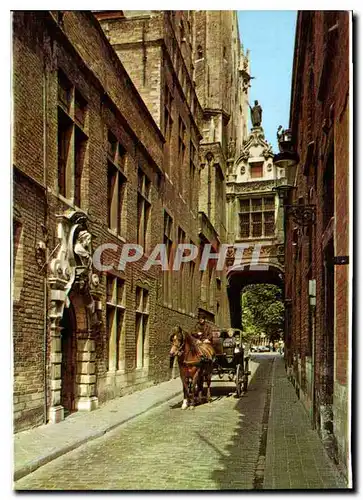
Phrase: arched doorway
pixel 69 361
pixel 72 380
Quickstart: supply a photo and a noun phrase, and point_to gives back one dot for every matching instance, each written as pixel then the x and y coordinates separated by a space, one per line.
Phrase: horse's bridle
pixel 180 351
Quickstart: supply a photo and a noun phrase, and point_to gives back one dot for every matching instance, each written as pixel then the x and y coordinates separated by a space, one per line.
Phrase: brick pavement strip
pixel 295 457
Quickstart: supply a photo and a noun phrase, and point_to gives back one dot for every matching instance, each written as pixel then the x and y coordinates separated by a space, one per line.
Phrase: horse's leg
pixel 193 386
pixel 189 390
pixel 209 381
pixel 185 393
pixel 200 386
pixel 185 399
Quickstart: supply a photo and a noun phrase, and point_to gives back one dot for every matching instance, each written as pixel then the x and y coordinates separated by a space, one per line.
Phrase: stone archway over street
pixel 241 276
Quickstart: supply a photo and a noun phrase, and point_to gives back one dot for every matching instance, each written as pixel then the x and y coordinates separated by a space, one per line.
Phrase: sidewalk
pixel 36 447
pixel 295 457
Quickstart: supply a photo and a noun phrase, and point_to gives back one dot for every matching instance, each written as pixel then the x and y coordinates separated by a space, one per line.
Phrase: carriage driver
pixel 203 333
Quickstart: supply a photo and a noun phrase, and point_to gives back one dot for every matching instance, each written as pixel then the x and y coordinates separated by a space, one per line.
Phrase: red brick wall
pixel 80 49
pixel 319 113
pixel 28 310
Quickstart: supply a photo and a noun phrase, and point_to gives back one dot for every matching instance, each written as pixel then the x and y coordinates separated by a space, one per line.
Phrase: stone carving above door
pixel 71 268
pixel 71 273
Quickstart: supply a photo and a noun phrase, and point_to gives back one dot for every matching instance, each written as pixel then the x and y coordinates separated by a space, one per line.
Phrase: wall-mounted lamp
pixel 283 189
pixel 287 158
pixel 302 214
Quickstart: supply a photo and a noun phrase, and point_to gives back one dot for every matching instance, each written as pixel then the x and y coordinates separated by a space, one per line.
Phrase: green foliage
pixel 262 311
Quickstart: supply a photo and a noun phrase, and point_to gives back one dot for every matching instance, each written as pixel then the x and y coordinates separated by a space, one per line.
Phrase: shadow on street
pixel 238 463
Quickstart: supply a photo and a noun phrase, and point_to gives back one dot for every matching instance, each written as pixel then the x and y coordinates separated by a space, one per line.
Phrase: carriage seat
pixel 217 342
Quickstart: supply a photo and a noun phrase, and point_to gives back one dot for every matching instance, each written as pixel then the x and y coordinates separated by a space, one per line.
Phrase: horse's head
pixel 177 341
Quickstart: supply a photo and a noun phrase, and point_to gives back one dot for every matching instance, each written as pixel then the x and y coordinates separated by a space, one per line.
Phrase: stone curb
pixel 39 462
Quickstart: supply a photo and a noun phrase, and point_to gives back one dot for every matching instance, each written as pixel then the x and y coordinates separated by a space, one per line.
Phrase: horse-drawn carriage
pixel 196 368
pixel 231 359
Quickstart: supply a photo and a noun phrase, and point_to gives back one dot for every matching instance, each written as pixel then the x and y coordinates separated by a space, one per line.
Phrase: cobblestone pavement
pixel 295 457
pixel 216 446
pixel 35 447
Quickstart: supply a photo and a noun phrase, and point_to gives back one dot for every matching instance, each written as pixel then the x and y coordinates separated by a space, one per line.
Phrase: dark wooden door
pixel 68 371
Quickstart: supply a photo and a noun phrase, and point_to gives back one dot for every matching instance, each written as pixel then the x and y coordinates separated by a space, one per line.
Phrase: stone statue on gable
pixel 256 115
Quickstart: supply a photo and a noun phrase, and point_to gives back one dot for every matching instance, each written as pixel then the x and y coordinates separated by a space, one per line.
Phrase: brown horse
pixel 193 366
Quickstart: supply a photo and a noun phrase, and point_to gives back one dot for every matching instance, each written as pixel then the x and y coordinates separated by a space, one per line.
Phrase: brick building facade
pixel 218 60
pixel 105 151
pixel 186 66
pixel 318 354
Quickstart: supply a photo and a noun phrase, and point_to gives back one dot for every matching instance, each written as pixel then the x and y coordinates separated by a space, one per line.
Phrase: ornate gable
pixel 255 139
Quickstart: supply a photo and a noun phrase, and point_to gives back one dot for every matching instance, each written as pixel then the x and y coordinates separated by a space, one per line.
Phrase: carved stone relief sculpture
pixel 231 148
pixel 245 155
pixel 268 153
pixel 71 270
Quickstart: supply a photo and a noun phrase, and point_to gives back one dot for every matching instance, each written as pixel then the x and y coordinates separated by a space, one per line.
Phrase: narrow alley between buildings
pixel 164 198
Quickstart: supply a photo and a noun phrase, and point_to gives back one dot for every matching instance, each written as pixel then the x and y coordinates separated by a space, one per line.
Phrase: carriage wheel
pixel 245 383
pixel 239 381
pixel 245 376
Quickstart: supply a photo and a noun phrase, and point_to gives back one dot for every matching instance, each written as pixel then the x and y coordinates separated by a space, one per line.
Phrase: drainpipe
pixel 45 314
pixel 312 306
pixel 313 366
pixel 45 226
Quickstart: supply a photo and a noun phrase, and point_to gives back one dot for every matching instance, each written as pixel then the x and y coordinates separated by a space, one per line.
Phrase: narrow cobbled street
pixel 261 441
